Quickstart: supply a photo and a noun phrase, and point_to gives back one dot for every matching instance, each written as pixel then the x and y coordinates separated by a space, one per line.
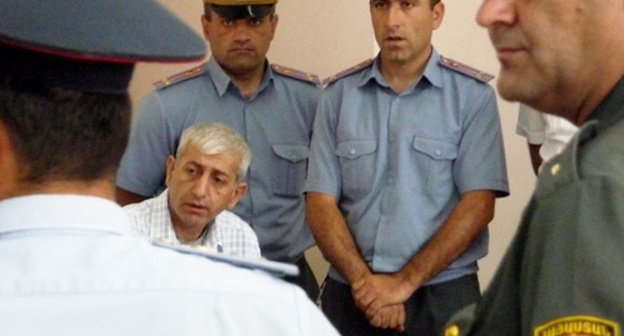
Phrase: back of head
pixel 61 134
pixel 216 138
pixel 65 66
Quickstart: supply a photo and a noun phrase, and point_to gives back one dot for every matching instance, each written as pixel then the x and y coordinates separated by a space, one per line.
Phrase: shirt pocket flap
pixel 436 149
pixel 292 153
pixel 355 148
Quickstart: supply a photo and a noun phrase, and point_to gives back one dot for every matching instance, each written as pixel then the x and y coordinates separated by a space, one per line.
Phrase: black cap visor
pixel 243 12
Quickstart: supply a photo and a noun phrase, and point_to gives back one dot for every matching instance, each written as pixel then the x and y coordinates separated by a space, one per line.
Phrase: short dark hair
pixel 207 11
pixel 61 134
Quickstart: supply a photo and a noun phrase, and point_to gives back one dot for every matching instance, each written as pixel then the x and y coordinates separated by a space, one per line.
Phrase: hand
pixel 392 317
pixel 375 291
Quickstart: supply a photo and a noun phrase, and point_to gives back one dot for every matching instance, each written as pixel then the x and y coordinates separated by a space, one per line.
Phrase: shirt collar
pixel 432 72
pixel 373 74
pixel 222 81
pixel 37 212
pixel 611 108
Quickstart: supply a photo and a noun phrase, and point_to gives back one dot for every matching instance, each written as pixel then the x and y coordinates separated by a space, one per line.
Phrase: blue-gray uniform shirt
pixel 71 267
pixel 399 163
pixel 276 123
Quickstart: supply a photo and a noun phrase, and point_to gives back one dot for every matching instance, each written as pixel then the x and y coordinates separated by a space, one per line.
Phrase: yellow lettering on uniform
pixel 581 326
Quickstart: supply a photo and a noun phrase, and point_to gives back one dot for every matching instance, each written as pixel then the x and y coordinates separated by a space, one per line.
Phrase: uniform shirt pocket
pixel 290 171
pixel 357 166
pixel 433 159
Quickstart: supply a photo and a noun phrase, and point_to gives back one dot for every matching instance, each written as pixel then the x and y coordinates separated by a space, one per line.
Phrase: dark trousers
pixel 305 279
pixel 427 310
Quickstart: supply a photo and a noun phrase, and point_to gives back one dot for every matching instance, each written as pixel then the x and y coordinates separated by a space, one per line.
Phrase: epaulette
pixel 275 268
pixel 465 70
pixel 179 77
pixel 296 74
pixel 348 71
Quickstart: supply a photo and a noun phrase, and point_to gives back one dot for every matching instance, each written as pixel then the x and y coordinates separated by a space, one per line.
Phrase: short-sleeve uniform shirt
pixel 277 125
pixel 399 163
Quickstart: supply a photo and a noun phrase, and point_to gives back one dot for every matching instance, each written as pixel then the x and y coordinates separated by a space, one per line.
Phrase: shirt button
pixel 452 331
pixel 352 152
pixel 555 169
pixel 438 153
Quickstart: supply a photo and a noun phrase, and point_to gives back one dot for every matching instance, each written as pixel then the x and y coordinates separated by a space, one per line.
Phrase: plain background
pixel 328 36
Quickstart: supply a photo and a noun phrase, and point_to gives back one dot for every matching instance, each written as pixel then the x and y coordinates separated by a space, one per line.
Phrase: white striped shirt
pixel 229 233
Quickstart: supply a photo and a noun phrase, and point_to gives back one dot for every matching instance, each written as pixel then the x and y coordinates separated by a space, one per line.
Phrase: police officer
pixel 69 263
pixel 271 106
pixel 406 162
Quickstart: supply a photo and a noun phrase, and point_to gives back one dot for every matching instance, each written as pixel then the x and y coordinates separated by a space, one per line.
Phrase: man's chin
pixel 193 220
pixel 396 55
pixel 514 87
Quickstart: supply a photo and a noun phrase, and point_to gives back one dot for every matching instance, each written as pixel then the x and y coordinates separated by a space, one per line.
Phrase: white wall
pixel 326 36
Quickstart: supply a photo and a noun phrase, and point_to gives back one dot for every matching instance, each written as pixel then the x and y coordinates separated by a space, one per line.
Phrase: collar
pixel 222 81
pixel 432 72
pixel 564 168
pixel 36 212
pixel 610 109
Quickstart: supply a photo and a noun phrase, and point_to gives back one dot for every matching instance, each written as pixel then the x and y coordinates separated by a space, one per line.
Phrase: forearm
pixel 333 236
pixel 466 222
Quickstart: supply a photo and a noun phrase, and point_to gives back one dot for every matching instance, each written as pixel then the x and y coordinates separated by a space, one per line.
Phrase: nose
pixel 241 31
pixel 393 14
pixel 494 12
pixel 200 187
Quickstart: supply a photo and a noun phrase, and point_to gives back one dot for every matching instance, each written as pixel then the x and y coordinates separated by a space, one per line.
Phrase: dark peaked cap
pixel 90 45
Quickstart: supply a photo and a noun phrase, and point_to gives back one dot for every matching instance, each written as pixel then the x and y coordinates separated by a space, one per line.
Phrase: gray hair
pixel 216 138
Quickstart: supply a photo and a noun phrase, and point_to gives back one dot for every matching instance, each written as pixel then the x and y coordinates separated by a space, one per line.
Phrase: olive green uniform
pixel 563 273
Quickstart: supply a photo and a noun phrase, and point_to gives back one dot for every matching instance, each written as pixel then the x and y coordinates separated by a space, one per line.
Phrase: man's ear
pixel 239 192
pixel 438 15
pixel 171 161
pixel 205 27
pixel 274 19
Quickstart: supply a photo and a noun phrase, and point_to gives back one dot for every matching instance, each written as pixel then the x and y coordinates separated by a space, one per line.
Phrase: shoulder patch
pixel 348 71
pixel 179 77
pixel 466 70
pixel 578 325
pixel 296 74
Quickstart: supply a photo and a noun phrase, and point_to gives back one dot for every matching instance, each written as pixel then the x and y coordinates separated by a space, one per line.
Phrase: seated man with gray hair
pixel 204 180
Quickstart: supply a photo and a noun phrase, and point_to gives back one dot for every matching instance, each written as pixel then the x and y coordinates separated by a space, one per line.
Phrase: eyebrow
pixel 203 167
